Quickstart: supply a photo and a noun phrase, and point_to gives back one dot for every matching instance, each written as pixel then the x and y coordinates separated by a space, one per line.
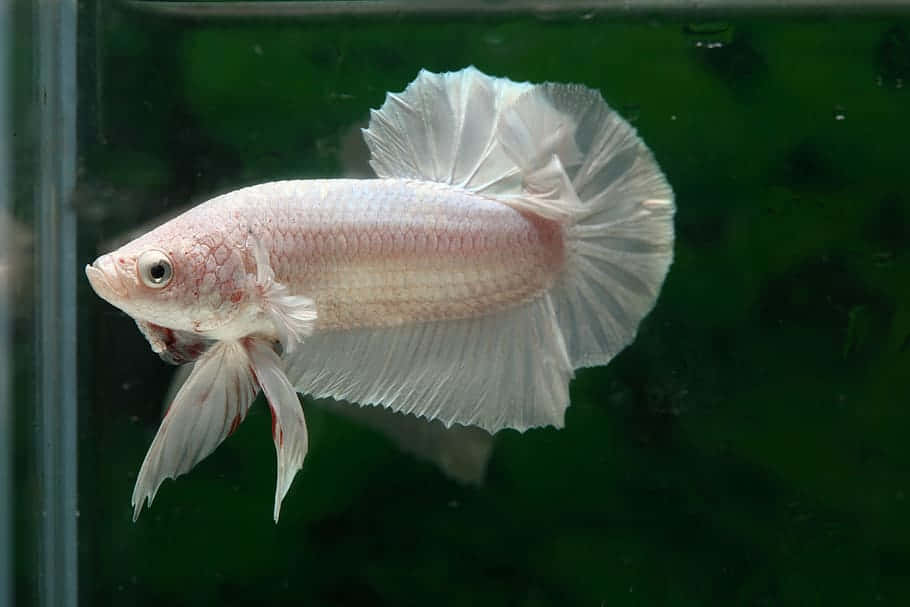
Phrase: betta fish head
pixel 182 275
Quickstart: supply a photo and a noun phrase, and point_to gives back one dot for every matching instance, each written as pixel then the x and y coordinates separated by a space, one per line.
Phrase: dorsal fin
pixel 442 128
pixel 487 135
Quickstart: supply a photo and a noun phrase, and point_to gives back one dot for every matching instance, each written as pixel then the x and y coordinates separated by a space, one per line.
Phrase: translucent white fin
pixel 540 141
pixel 463 128
pixel 208 407
pixel 288 425
pixel 443 128
pixel 612 281
pixel 181 374
pixel 461 452
pixel 506 370
pixel 293 316
pixel 621 244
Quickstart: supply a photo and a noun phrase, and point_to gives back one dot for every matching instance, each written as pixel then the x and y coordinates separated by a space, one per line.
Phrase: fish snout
pixel 106 278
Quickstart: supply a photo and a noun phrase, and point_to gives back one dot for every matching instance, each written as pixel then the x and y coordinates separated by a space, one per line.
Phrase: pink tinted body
pixel 386 252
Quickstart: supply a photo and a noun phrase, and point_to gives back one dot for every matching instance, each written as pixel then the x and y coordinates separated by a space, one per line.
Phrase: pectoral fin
pixel 208 407
pixel 292 315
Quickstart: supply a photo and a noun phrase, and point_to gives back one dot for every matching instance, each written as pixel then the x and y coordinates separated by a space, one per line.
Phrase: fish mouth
pixel 105 278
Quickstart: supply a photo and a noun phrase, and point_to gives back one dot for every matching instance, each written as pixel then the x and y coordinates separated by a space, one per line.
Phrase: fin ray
pixel 442 128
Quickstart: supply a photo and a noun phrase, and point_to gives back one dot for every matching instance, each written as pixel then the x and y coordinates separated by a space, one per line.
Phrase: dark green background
pixel 749 448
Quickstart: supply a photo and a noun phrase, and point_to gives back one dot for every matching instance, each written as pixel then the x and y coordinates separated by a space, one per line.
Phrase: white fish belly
pixel 388 252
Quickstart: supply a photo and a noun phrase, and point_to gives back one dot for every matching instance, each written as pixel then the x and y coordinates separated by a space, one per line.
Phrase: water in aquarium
pixel 748 447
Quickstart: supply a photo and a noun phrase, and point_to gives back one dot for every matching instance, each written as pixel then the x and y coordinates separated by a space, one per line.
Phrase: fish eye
pixel 155 269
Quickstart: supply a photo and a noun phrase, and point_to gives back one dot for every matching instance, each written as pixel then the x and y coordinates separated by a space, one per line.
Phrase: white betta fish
pixel 515 232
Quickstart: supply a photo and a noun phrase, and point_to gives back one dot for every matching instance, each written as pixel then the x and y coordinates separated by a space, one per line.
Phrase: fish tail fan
pixel 574 151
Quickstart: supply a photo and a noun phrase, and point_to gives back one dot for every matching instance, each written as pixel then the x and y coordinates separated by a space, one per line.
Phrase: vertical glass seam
pixel 6 252
pixel 56 314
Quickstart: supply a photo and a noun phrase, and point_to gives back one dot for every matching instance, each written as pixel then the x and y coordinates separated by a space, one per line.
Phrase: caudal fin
pixel 620 233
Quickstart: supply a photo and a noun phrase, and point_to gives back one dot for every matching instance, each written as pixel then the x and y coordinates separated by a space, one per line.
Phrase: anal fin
pixel 505 370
